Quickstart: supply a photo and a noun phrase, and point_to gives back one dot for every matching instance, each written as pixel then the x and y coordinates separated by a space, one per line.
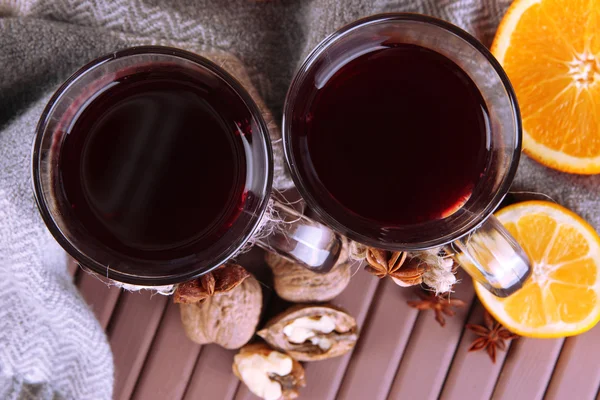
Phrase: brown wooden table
pixel 402 353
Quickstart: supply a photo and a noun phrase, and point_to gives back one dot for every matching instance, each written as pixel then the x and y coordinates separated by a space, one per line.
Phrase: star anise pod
pixel 493 336
pixel 383 263
pixel 441 305
pixel 222 279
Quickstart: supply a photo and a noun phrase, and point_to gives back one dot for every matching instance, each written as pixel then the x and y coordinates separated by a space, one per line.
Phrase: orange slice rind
pixel 562 296
pixel 550 50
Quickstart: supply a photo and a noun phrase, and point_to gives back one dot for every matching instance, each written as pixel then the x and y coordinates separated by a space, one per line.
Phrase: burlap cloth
pixel 50 344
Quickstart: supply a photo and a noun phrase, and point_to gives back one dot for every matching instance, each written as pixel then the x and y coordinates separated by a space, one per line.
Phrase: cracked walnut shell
pixel 312 332
pixel 269 374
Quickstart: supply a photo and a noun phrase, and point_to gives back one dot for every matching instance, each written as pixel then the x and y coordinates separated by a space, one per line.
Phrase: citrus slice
pixel 550 50
pixel 562 296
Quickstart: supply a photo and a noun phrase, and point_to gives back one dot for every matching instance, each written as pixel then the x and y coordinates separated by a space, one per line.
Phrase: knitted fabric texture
pixel 51 347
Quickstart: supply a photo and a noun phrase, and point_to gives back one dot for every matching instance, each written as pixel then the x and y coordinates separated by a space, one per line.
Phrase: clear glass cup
pixel 482 246
pixel 305 241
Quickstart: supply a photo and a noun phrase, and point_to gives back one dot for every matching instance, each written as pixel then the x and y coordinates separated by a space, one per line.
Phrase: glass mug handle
pixel 300 239
pixel 489 254
pixel 493 257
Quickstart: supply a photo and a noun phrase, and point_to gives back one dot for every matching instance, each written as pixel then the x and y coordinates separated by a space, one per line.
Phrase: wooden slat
pixel 389 325
pixel 430 351
pixel 212 377
pixel 173 358
pixel 170 361
pixel 98 295
pixel 527 369
pixel 472 375
pixel 130 332
pixel 324 378
pixel 577 372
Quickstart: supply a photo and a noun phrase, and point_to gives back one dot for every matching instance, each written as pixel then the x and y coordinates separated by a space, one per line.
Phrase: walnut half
pixel 222 307
pixel 269 374
pixel 312 332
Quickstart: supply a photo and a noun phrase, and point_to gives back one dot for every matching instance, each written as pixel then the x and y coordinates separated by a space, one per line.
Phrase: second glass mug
pixel 484 248
pixel 478 241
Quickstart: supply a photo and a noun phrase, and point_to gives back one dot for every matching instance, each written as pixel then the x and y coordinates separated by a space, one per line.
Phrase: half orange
pixel 550 50
pixel 562 296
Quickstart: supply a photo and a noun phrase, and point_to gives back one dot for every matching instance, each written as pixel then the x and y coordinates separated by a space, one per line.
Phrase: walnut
pixel 221 307
pixel 269 374
pixel 312 332
pixel 295 283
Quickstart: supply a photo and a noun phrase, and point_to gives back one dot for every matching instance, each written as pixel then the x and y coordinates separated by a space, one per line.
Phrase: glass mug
pixel 152 166
pixel 479 242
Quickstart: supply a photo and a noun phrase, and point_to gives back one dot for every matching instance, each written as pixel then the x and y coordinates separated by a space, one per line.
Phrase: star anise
pixel 493 336
pixel 441 305
pixel 222 279
pixel 383 263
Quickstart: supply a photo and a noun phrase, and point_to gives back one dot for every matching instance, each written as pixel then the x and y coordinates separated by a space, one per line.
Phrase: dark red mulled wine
pixel 154 166
pixel 398 135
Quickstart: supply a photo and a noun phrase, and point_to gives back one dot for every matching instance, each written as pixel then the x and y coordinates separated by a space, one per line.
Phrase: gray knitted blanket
pixel 50 344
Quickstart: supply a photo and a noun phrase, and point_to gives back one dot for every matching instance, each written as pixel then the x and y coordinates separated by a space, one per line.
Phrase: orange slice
pixel 562 297
pixel 550 50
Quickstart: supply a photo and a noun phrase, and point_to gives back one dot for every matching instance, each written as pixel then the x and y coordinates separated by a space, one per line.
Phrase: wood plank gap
pixel 431 349
pixel 189 380
pixel 149 348
pixel 364 323
pixel 145 360
pixel 507 353
pixel 527 369
pixel 472 307
pixel 577 363
pixel 387 294
pixel 389 390
pixel 391 343
pixel 324 377
pixel 110 324
pixel 552 376
pixel 242 391
pixel 472 374
pixel 136 322
pixel 508 349
pixel 212 377
pixel 99 294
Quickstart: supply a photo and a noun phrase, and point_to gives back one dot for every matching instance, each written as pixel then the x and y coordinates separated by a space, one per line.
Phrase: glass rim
pixel 299 182
pixel 49 219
